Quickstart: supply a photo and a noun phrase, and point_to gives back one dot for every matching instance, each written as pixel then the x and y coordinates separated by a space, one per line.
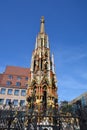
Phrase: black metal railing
pixel 21 120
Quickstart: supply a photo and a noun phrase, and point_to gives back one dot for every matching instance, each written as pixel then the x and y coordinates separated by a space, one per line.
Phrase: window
pixel 23 92
pixel 10 91
pixel 3 90
pixel 7 101
pixel 10 76
pixel 1 101
pixel 8 83
pixel 18 84
pixel 22 102
pixel 18 78
pixel 26 78
pixel 16 92
pixel 15 102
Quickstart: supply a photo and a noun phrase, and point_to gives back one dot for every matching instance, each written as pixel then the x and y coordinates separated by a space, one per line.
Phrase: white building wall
pixel 12 96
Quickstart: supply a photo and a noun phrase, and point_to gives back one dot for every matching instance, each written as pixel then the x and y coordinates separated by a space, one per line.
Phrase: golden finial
pixel 42 30
pixel 42 19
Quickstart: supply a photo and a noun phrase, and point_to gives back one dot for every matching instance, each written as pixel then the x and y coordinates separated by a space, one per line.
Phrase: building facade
pixel 13 86
pixel 82 99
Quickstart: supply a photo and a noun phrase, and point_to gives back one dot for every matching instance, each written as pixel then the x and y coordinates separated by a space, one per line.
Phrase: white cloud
pixel 69 82
pixel 67 54
pixel 75 57
pixel 70 88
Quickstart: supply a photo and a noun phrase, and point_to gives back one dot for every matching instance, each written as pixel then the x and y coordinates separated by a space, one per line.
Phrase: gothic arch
pixel 34 84
pixel 44 82
pixel 44 87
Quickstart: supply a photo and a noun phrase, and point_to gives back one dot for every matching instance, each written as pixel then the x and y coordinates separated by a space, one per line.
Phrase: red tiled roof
pixel 0 77
pixel 14 70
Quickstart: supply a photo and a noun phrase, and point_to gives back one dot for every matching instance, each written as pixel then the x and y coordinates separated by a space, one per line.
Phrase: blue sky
pixel 66 26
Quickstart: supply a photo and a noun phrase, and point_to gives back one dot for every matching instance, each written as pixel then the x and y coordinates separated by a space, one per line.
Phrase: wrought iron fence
pixel 21 120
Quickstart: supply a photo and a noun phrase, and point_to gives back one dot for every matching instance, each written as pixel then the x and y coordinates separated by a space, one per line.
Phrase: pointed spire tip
pixel 42 19
pixel 42 29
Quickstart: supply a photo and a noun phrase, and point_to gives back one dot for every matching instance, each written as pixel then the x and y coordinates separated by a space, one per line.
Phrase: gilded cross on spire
pixel 42 30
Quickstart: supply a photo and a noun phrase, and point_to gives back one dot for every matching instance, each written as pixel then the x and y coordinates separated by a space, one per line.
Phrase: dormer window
pixel 18 84
pixel 18 78
pixel 26 78
pixel 10 76
pixel 8 83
